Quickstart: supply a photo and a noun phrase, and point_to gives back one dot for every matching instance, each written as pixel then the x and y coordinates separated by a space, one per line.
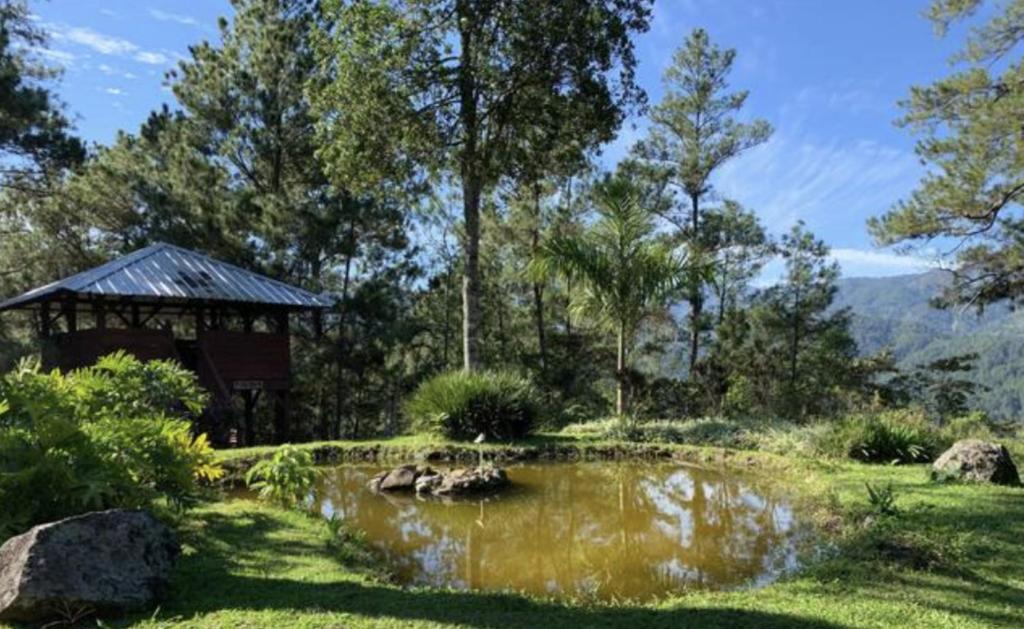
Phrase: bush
pixel 974 425
pixel 459 405
pixel 286 478
pixel 113 435
pixel 898 436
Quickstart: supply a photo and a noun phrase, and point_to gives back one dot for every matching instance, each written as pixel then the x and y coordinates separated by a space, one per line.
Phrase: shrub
pixel 974 425
pixel 900 436
pixel 84 441
pixel 286 478
pixel 459 405
pixel 882 499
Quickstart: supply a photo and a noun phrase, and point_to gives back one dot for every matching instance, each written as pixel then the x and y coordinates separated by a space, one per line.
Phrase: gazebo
pixel 227 324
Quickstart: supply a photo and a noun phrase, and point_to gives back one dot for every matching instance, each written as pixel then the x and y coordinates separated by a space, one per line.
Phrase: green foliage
pixel 286 478
pixel 707 431
pixel 33 129
pixel 881 499
pixel 967 124
pixel 459 405
pixel 77 442
pixel 973 425
pixel 902 436
pixel 625 274
pixel 695 130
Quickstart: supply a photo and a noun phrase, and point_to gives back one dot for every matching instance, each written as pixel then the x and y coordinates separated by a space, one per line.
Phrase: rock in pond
pixel 977 461
pixel 92 563
pixel 428 481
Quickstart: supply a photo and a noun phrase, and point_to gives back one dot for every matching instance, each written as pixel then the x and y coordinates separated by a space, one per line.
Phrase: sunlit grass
pixel 250 565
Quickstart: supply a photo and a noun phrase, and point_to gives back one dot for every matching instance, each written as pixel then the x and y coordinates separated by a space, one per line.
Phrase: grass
pixel 250 565
pixel 952 557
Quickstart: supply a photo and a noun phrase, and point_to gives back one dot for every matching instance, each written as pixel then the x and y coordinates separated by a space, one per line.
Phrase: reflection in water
pixel 626 530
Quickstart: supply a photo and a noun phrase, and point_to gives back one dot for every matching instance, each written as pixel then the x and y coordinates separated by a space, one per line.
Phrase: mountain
pixel 895 312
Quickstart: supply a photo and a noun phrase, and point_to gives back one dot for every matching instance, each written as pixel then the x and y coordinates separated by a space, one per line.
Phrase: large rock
pixel 977 461
pixel 427 481
pixel 93 563
pixel 471 481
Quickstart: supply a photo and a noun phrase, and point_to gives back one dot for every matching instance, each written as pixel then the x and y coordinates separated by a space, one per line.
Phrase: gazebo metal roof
pixel 163 272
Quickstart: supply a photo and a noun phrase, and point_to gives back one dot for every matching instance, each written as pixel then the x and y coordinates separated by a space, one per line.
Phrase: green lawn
pixel 249 565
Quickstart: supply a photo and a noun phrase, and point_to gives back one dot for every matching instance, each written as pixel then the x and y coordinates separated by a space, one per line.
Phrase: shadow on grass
pixel 217 577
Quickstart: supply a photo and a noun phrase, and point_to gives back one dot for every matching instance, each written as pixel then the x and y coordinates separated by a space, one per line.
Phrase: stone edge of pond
pixel 235 467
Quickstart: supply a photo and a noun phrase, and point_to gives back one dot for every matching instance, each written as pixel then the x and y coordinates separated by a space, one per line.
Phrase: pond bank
pixel 248 564
pixel 237 462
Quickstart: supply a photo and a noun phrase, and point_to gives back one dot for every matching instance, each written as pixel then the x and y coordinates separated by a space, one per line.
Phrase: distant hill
pixel 895 312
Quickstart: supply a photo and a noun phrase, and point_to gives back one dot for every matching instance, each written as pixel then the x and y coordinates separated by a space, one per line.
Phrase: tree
pixel 741 249
pixel 452 89
pixel 803 346
pixel 970 141
pixel 624 275
pixel 35 136
pixel 693 133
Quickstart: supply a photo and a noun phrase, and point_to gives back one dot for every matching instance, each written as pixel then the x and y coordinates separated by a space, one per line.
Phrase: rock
pixel 93 563
pixel 471 481
pixel 400 478
pixel 427 481
pixel 977 461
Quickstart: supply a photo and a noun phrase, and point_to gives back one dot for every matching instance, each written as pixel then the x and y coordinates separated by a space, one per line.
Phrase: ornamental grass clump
pixel 458 405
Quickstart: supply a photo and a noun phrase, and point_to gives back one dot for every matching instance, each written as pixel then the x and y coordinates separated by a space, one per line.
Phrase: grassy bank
pixel 951 558
pixel 544 447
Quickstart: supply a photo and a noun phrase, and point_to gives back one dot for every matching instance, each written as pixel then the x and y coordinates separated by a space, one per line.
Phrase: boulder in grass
pixel 976 461
pixel 107 561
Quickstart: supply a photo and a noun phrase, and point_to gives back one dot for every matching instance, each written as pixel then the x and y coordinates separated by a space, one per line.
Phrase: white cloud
pixel 103 44
pixel 164 16
pixel 835 184
pixel 152 58
pixel 60 57
pixel 882 261
pixel 116 91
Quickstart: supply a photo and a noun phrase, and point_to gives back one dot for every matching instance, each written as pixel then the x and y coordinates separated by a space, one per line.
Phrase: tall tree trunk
pixel 794 350
pixel 620 372
pixel 696 297
pixel 472 185
pixel 538 288
pixel 447 313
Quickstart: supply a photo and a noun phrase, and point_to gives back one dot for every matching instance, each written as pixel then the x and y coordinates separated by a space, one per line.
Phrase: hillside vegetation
pixel 896 313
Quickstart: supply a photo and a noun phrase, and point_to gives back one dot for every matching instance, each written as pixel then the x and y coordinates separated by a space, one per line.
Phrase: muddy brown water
pixel 610 530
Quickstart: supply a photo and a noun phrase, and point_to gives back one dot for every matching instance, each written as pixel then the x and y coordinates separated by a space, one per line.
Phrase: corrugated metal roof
pixel 163 271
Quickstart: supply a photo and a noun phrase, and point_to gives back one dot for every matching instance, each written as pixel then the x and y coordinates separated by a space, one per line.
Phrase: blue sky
pixel 826 73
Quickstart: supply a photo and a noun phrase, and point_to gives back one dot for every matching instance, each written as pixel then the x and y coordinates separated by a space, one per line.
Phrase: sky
pixel 827 74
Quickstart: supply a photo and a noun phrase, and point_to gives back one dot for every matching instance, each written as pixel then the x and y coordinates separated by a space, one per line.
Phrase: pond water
pixel 601 530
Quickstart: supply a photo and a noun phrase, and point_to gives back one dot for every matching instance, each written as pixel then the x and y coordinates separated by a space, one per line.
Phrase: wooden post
pixel 99 311
pixel 249 430
pixel 281 416
pixel 70 315
pixel 136 317
pixel 44 320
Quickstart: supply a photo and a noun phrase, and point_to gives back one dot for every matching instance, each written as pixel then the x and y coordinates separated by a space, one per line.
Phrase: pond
pixel 598 530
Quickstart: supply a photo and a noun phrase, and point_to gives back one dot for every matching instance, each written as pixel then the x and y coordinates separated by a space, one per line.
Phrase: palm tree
pixel 624 273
